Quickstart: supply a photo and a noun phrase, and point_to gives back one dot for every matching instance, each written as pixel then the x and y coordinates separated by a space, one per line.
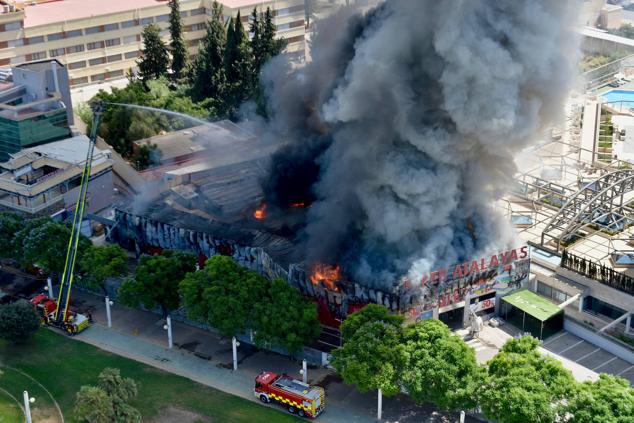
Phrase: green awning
pixel 533 304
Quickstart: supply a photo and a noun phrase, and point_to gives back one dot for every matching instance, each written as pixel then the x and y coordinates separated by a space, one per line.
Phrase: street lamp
pixel 49 287
pixel 108 315
pixel 27 406
pixel 304 372
pixel 168 328
pixel 234 347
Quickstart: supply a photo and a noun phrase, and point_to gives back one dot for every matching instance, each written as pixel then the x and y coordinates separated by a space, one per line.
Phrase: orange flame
pixel 326 274
pixel 299 205
pixel 260 212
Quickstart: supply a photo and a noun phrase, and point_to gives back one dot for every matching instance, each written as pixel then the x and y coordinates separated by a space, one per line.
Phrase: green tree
pixel 18 321
pixel 46 246
pixel 101 262
pixel 285 318
pixel 180 57
pixel 271 46
pixel 238 66
pixel 156 280
pixel 369 313
pixel 10 225
pixel 22 234
pixel 372 358
pixel 93 405
pixel 607 400
pixel 154 57
pixel 525 386
pixel 208 76
pixel 224 295
pixel 147 155
pixel 440 367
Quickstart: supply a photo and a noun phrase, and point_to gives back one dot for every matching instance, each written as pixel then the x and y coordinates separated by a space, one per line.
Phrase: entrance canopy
pixel 532 304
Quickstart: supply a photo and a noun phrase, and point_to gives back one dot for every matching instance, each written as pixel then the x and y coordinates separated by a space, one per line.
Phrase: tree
pixel 607 400
pixel 180 57
pixel 147 155
pixel 10 224
pixel 369 313
pixel 108 401
pixel 271 46
pixel 156 280
pixel 208 77
pixel 440 367
pixel 238 66
pixel 284 318
pixel 93 405
pixel 18 321
pixel 47 245
pixel 523 385
pixel 99 263
pixel 154 58
pixel 224 295
pixel 372 358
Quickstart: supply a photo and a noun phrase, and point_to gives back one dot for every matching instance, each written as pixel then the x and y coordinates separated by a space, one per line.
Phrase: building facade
pixel 101 40
pixel 35 106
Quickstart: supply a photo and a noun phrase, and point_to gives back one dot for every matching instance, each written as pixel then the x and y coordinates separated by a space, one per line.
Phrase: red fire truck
pixel 74 323
pixel 299 397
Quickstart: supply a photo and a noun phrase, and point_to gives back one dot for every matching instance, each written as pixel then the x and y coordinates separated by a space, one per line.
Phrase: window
pixel 75 49
pixel 111 27
pixel 34 40
pixel 184 14
pixel 16 43
pixel 56 52
pixel 197 27
pixel 73 33
pixel 200 11
pixel 77 81
pixel 132 54
pixel 98 77
pixel 95 45
pixel 129 24
pixel 282 27
pixel 146 21
pixel 115 74
pixel 77 65
pixel 594 305
pixel 56 36
pixel 192 43
pixel 113 42
pixel 113 58
pixel 92 30
pixel 36 56
pixel 552 293
pixel 97 61
pixel 162 18
pixel 129 39
pixel 12 26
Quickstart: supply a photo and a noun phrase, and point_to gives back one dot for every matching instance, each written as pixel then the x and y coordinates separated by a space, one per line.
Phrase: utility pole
pixel 304 371
pixel 234 349
pixel 379 410
pixel 27 406
pixel 108 315
pixel 49 287
pixel 168 328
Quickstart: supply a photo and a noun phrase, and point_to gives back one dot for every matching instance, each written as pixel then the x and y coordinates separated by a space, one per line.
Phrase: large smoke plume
pixel 403 128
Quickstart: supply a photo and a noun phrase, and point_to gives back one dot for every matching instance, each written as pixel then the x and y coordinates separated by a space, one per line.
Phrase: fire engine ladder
pixel 63 301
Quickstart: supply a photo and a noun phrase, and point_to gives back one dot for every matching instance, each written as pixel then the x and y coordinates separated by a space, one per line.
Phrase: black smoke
pixel 402 128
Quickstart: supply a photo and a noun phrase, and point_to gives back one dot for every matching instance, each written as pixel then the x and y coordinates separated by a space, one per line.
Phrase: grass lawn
pixel 63 365
pixel 9 410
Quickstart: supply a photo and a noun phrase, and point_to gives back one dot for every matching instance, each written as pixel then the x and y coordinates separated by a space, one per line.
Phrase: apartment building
pixel 35 106
pixel 101 40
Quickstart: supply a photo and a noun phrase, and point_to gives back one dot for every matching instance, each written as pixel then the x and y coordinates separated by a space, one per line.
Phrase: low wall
pixel 610 345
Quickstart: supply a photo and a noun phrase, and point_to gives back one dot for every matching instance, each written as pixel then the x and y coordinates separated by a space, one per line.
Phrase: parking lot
pixel 588 355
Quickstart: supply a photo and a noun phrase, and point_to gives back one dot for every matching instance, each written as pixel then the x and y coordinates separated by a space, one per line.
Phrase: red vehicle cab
pixel 299 397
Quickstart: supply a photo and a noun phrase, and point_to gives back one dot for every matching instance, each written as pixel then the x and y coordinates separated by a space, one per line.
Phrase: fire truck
pixel 74 323
pixel 299 397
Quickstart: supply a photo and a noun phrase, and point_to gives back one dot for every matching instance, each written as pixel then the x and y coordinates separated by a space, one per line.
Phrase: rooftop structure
pixel 43 180
pixel 101 40
pixel 35 106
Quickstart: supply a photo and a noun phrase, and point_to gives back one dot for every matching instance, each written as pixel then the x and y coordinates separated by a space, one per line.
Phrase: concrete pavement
pixel 205 357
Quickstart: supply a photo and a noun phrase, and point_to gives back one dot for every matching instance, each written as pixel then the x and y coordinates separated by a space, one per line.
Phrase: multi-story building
pixel 44 180
pixel 101 40
pixel 35 106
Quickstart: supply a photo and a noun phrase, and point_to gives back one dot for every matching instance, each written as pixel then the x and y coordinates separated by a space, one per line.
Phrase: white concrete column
pixel 304 371
pixel 379 410
pixel 108 315
pixel 168 328
pixel 234 349
pixel 49 286
pixel 581 303
pixel 628 323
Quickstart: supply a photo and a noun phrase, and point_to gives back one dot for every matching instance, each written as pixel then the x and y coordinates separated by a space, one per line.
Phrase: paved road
pixel 205 357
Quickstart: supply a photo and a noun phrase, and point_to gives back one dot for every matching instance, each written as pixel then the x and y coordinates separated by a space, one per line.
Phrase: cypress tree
pixel 154 58
pixel 255 28
pixel 180 58
pixel 237 66
pixel 208 77
pixel 271 46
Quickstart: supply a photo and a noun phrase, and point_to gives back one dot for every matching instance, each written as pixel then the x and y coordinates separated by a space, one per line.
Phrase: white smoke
pixel 424 105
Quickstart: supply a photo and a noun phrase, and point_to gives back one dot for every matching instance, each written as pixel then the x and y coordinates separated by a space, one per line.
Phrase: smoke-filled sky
pixel 402 129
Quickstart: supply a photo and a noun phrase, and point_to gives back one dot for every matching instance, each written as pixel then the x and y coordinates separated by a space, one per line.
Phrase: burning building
pixel 396 139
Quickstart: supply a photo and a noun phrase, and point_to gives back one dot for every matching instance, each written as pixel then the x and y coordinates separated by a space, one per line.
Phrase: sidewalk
pixel 206 358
